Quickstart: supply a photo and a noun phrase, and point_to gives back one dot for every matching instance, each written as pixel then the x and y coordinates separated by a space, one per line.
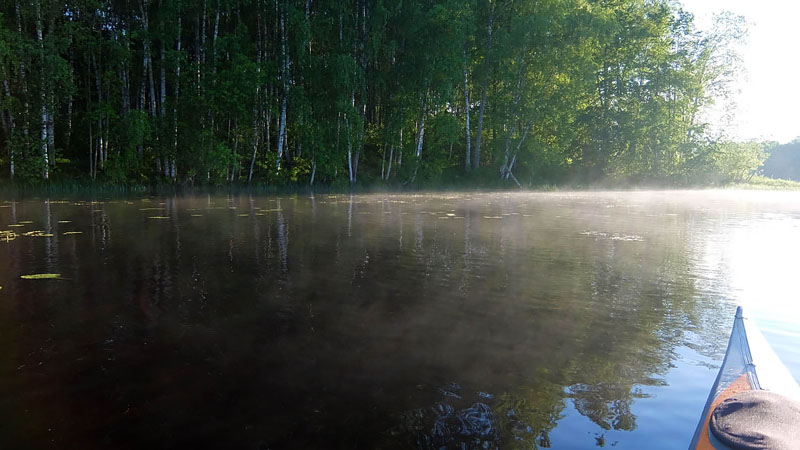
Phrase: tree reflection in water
pixel 384 321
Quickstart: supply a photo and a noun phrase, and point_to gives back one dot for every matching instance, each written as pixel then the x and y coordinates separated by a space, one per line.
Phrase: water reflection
pixel 327 321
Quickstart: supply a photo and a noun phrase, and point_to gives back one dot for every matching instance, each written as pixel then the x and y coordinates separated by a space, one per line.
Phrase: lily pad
pixel 42 276
pixel 37 233
pixel 8 236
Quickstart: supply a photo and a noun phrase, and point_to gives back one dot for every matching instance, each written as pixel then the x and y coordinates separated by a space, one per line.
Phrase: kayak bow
pixel 750 364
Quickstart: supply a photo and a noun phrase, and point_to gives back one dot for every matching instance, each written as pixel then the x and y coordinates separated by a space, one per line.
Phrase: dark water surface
pixel 383 321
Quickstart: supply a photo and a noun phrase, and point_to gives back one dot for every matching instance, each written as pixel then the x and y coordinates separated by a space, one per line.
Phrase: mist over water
pixel 563 320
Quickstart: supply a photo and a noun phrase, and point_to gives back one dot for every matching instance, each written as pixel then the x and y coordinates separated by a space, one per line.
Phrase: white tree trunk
pixel 350 174
pixel 43 97
pixel 391 157
pixel 467 160
pixel 10 125
pixel 174 156
pixel 147 59
pixel 476 157
pixel 383 162
pixel 255 150
pixel 421 129
pixel 281 134
pixel 163 76
pixel 23 80
pixel 400 150
pixel 285 93
pixel 214 41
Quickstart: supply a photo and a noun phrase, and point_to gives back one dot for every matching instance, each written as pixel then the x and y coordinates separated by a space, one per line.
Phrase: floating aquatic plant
pixel 37 233
pixel 8 236
pixel 42 276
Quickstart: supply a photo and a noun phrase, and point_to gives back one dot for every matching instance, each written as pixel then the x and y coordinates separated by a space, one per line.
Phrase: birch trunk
pixel 197 51
pixel 256 107
pixel 476 157
pixel 285 94
pixel 467 160
pixel 23 79
pixel 235 152
pixel 389 169
pixel 68 134
pixel 421 129
pixel 147 59
pixel 202 47
pixel 43 97
pixel 267 125
pixel 255 146
pixel 383 161
pixel 174 156
pixel 98 87
pixel 51 129
pixel 9 126
pixel 125 79
pixel 362 100
pixel 214 41
pixel 91 151
pixel 163 82
pixel 350 173
pixel 281 134
pixel 400 150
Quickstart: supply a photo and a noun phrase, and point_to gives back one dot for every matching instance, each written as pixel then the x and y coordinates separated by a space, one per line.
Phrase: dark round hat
pixel 757 420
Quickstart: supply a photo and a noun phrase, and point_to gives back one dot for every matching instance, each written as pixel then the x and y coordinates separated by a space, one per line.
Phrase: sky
pixel 769 101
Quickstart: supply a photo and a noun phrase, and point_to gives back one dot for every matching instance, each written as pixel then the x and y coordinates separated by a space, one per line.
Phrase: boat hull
pixel 749 364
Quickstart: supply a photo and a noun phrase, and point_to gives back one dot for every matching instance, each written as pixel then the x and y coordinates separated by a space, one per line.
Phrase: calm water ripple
pixel 563 320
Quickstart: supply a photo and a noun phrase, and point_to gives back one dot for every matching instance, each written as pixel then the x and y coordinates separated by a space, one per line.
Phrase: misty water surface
pixel 563 320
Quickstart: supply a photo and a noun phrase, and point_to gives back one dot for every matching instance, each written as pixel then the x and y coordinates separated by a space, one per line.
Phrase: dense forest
pixel 516 92
pixel 784 161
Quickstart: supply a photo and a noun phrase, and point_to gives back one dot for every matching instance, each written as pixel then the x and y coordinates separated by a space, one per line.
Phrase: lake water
pixel 563 320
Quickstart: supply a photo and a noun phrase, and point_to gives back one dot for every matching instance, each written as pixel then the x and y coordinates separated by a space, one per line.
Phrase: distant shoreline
pixel 106 189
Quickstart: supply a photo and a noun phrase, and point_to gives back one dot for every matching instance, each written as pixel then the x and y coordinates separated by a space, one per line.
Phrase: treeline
pixel 784 161
pixel 323 91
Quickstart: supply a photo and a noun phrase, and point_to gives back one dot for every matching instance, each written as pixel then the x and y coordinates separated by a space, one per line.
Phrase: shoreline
pixel 102 189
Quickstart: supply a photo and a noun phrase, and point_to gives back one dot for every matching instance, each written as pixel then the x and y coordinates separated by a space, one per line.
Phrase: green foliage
pixel 198 92
pixel 728 162
pixel 738 161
